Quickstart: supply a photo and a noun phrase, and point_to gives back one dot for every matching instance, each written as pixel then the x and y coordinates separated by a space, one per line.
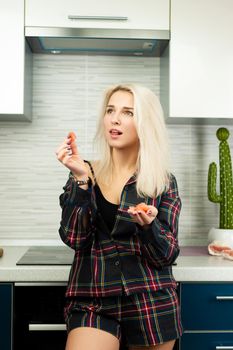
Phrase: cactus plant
pixel 225 198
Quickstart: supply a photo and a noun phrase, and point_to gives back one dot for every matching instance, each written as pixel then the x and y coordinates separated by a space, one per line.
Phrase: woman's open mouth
pixel 115 133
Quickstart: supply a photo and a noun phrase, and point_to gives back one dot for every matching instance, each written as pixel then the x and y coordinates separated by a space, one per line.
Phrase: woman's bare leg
pixel 83 338
pixel 165 346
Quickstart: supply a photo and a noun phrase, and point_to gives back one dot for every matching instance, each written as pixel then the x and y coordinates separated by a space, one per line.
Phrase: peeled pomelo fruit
pixel 142 206
pixel 72 136
pixel 217 248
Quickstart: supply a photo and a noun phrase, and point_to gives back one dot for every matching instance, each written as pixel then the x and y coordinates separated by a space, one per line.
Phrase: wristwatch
pixel 81 182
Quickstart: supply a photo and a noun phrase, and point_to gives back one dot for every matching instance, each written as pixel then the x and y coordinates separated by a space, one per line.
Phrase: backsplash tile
pixel 66 95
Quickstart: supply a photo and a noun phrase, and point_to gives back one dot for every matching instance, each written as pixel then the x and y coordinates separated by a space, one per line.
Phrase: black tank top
pixel 107 209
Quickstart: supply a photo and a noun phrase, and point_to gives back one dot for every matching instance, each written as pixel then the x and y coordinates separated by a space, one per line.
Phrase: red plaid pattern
pixel 145 319
pixel 128 258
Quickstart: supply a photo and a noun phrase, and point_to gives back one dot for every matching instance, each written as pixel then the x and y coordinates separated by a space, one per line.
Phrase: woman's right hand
pixel 67 153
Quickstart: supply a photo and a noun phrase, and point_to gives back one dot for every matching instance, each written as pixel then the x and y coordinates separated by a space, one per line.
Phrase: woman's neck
pixel 124 162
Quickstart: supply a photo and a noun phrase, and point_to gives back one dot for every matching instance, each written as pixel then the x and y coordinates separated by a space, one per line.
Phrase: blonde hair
pixel 153 157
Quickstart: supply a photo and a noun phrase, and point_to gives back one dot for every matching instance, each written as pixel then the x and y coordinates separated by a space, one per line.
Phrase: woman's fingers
pixel 61 154
pixel 139 219
pixel 152 211
pixel 63 151
pixel 67 147
pixel 63 145
pixel 142 218
pixel 65 157
pixel 67 153
pixel 74 148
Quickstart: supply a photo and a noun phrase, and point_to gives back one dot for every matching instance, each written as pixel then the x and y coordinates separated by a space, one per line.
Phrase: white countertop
pixel 9 271
pixel 192 266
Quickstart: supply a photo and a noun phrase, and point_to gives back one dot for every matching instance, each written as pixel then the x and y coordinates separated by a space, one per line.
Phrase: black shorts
pixel 144 319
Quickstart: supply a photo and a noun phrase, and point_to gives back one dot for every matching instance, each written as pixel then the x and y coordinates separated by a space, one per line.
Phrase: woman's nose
pixel 116 118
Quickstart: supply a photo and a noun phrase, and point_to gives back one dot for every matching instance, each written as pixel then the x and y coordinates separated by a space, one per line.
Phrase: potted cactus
pixel 225 231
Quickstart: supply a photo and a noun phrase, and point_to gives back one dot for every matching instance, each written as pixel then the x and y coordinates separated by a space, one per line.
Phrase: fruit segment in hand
pixel 141 207
pixel 72 136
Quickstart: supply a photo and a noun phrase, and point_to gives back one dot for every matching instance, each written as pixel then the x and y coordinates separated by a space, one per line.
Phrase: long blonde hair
pixel 153 157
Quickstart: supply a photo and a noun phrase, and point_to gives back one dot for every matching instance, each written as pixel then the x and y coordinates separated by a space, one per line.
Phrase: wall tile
pixel 66 95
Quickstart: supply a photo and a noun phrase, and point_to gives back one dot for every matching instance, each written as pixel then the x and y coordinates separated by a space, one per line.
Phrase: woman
pixel 121 289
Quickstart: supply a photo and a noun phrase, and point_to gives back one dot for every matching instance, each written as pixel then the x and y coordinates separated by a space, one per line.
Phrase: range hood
pixel 125 42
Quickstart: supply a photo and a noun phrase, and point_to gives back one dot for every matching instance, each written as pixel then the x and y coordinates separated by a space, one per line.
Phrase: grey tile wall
pixel 66 94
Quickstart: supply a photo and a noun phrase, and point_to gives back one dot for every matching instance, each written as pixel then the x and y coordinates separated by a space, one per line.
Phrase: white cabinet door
pixel 127 14
pixel 201 59
pixel 12 59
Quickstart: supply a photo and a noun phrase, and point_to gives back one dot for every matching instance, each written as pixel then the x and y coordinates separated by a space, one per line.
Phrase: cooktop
pixel 47 255
pixel 63 255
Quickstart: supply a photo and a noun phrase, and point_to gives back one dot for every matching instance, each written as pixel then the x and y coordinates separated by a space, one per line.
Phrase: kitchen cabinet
pixel 206 310
pixel 6 299
pixel 15 64
pixel 38 316
pixel 130 14
pixel 200 60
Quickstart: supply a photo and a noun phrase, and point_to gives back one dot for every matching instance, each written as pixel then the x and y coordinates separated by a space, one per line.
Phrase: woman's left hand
pixel 141 217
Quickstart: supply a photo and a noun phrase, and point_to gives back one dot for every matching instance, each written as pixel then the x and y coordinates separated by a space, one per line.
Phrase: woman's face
pixel 120 130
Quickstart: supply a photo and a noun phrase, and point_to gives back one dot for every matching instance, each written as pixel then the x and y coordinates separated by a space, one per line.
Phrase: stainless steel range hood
pixel 124 42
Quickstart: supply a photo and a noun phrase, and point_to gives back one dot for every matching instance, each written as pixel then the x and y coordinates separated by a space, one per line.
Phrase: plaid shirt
pixel 127 258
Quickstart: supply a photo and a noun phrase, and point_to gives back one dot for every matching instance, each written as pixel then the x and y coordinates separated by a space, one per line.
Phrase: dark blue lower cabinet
pixel 207 306
pixel 6 293
pixel 207 315
pixel 206 341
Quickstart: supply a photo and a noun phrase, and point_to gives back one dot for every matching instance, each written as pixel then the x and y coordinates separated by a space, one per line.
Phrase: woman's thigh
pixel 165 346
pixel 83 338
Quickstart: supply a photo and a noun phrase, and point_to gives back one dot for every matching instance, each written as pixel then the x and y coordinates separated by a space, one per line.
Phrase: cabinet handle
pixel 46 327
pixel 40 284
pixel 100 18
pixel 223 297
pixel 224 347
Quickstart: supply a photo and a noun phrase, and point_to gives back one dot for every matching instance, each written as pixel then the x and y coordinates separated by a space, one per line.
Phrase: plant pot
pixel 221 235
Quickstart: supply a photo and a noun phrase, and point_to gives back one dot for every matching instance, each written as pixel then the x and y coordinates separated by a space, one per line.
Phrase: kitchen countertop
pixel 194 264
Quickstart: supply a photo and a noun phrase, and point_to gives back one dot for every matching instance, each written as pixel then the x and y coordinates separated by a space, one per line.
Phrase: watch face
pixel 83 182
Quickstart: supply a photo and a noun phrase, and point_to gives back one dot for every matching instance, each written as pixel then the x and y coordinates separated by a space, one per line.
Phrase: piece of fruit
pixel 218 248
pixel 72 136
pixel 228 254
pixel 142 207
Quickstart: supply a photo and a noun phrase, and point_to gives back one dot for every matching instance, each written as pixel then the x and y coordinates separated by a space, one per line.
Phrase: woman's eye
pixel 128 113
pixel 109 110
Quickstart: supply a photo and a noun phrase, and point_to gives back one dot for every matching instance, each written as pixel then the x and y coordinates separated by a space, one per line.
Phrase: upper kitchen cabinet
pixel 15 64
pixel 106 28
pixel 130 14
pixel 200 59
